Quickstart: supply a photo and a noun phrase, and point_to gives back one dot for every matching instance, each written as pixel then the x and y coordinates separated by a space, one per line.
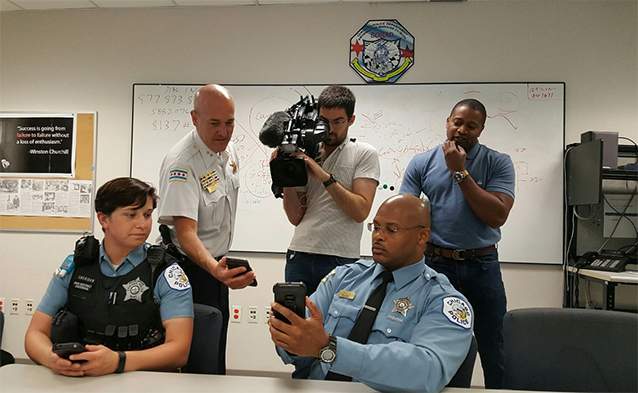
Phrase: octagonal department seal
pixel 382 51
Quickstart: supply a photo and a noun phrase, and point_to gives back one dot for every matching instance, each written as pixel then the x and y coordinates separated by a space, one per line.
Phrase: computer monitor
pixel 584 166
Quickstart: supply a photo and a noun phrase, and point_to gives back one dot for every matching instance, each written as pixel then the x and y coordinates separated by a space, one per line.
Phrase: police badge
pixel 402 306
pixel 381 51
pixel 134 290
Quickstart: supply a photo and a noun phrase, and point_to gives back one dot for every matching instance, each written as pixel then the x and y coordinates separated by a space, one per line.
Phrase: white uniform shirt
pixel 325 229
pixel 202 185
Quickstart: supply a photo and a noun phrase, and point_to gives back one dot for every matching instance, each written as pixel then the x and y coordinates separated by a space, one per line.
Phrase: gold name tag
pixel 346 294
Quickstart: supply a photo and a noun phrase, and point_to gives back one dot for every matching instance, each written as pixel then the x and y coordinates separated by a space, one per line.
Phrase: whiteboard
pixel 525 120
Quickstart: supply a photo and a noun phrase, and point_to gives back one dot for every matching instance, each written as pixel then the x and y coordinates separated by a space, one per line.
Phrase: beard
pixel 465 143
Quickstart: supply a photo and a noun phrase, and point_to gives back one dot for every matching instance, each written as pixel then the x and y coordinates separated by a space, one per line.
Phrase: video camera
pixel 298 128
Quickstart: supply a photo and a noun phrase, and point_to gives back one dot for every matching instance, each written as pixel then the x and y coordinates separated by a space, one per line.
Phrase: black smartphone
pixel 291 295
pixel 237 262
pixel 64 350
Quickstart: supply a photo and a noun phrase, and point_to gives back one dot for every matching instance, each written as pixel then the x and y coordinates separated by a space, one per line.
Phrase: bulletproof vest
pixel 118 312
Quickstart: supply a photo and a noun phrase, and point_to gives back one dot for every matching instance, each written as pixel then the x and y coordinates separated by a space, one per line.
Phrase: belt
pixel 458 255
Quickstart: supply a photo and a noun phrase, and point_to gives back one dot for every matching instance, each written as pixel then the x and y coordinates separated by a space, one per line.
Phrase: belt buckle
pixel 456 255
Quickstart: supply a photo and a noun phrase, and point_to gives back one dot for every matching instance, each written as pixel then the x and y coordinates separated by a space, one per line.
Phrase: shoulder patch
pixel 457 311
pixel 177 175
pixel 176 278
pixel 65 268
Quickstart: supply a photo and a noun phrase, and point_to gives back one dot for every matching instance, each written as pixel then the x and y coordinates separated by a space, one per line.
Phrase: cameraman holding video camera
pixel 329 211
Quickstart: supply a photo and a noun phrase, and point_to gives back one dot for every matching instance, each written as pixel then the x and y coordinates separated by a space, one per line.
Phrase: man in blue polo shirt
pixel 471 192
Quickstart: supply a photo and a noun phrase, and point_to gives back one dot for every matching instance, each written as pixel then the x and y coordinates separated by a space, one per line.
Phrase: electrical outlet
pixel 28 306
pixel 14 306
pixel 235 313
pixel 266 314
pixel 1 304
pixel 252 314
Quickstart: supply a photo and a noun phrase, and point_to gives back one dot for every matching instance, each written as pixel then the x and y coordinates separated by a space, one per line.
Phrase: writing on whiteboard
pixel 541 92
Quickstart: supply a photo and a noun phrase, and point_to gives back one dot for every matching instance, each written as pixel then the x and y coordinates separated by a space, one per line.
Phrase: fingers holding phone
pixel 233 274
pixel 59 361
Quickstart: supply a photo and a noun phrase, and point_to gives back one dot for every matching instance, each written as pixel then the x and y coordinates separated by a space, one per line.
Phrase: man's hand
pixel 236 278
pixel 303 337
pixel 454 156
pixel 63 366
pixel 315 170
pixel 98 360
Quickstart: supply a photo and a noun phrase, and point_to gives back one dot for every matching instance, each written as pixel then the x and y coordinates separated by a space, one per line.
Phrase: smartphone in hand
pixel 64 350
pixel 237 262
pixel 291 295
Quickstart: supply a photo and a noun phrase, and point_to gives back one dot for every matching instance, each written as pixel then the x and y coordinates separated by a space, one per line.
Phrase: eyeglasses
pixel 390 229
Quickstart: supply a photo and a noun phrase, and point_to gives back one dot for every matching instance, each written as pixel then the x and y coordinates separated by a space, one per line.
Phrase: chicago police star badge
pixel 402 306
pixel 134 290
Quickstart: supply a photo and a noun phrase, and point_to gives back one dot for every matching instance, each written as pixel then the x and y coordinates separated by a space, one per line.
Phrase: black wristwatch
pixel 330 181
pixel 121 362
pixel 328 354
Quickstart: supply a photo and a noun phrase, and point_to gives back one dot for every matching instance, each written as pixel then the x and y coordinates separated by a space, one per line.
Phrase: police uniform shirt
pixel 202 185
pixel 175 299
pixel 419 338
pixel 454 224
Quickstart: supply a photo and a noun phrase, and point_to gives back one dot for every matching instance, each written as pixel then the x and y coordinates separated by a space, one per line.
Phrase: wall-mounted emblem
pixel 382 51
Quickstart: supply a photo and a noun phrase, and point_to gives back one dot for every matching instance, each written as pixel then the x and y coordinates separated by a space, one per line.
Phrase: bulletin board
pixel 85 134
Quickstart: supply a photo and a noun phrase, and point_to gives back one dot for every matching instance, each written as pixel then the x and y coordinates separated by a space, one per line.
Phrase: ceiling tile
pixel 214 2
pixel 133 3
pixel 5 5
pixel 52 4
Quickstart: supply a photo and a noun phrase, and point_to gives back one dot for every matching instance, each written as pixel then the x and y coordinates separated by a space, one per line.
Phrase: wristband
pixel 121 362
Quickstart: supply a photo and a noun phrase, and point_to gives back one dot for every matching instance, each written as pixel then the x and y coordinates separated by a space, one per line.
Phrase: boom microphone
pixel 272 133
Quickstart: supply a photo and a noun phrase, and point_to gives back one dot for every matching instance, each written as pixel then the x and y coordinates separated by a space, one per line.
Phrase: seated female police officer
pixel 127 319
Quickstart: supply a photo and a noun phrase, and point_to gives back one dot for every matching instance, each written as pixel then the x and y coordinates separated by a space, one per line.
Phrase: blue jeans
pixel 479 279
pixel 311 268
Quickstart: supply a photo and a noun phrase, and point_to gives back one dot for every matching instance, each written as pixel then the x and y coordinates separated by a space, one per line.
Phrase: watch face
pixel 459 176
pixel 327 355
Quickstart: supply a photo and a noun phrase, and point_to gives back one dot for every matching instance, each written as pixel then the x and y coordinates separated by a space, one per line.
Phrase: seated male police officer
pixel 127 302
pixel 392 323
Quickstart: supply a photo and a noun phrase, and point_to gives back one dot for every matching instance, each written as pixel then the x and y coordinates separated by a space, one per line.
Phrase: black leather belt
pixel 458 255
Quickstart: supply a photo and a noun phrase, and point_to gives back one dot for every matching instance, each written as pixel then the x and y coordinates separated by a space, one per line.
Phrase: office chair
pixel 204 354
pixel 577 350
pixel 463 376
pixel 5 357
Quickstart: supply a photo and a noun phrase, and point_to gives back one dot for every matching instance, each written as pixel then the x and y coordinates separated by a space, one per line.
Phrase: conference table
pixel 22 378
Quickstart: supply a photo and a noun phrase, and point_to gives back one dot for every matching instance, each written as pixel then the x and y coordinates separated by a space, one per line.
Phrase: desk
pixel 20 378
pixel 609 280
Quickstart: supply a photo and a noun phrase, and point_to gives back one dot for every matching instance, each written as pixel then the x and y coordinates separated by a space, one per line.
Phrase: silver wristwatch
pixel 328 354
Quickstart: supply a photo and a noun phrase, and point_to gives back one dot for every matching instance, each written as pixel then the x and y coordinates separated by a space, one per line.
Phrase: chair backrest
pixel 463 376
pixel 577 350
pixel 5 357
pixel 204 354
pixel 1 325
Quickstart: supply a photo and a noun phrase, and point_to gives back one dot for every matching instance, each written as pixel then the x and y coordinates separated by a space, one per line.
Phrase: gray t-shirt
pixel 325 229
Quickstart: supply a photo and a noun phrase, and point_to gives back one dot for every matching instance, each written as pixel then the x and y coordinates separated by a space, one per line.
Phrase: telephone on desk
pixel 609 261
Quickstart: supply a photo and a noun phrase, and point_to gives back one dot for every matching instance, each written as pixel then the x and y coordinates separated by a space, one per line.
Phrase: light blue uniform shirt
pixel 454 224
pixel 173 303
pixel 419 338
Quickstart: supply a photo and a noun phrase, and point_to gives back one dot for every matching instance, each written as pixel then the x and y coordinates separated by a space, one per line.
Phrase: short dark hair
pixel 337 97
pixel 123 192
pixel 474 105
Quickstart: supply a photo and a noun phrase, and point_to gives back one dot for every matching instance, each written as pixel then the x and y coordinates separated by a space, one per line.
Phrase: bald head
pixel 401 229
pixel 213 116
pixel 210 95
pixel 407 209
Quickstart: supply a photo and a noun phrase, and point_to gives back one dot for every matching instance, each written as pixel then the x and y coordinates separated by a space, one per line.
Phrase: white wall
pixel 87 60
